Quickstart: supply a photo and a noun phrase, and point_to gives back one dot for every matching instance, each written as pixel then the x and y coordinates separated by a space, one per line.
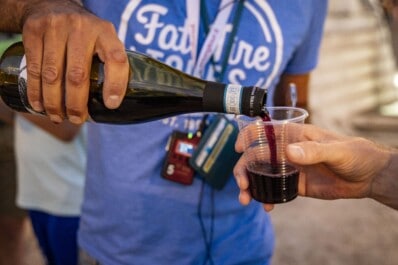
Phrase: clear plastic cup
pixel 272 178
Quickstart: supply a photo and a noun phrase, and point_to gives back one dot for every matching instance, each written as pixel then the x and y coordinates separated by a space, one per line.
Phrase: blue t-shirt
pixel 131 215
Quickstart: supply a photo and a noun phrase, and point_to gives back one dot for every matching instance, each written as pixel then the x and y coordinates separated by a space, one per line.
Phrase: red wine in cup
pixel 270 134
pixel 272 182
pixel 268 187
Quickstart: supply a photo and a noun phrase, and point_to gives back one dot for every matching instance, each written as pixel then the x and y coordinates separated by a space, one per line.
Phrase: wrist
pixel 384 188
pixel 32 7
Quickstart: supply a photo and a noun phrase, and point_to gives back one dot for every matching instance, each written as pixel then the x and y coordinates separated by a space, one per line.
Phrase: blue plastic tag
pixel 215 157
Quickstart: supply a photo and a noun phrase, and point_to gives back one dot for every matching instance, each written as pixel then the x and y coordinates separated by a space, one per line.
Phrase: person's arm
pixel 337 167
pixel 385 185
pixel 60 38
pixel 282 91
pixel 334 166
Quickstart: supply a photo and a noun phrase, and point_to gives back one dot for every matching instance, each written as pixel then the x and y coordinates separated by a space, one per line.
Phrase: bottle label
pixel 232 99
pixel 22 85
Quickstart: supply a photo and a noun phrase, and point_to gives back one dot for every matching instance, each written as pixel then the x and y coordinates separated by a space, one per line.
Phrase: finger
pixel 242 181
pixel 302 185
pixel 116 66
pixel 33 44
pixel 308 153
pixel 77 81
pixel 244 197
pixel 53 71
pixel 268 207
pixel 240 173
pixel 239 143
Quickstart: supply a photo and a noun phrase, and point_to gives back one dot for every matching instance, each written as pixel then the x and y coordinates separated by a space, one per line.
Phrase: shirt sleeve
pixel 305 58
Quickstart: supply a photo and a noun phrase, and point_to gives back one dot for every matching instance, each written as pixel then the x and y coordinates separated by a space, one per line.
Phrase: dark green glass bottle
pixel 155 90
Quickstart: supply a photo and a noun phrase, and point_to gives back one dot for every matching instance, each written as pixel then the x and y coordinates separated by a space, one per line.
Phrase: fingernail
pixel 296 150
pixel 113 101
pixel 75 119
pixel 37 106
pixel 55 118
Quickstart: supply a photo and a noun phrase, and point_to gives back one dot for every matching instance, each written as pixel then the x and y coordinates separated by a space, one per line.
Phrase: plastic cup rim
pixel 297 119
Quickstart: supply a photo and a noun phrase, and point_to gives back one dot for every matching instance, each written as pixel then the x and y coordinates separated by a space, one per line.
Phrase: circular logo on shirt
pixel 160 29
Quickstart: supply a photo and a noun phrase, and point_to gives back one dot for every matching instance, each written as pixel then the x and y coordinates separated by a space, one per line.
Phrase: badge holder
pixel 180 148
pixel 215 157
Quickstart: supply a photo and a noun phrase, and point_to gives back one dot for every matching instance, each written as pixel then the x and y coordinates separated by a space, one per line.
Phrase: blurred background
pixel 353 91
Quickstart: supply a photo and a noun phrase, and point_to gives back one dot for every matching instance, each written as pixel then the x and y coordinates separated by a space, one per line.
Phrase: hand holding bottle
pixel 155 90
pixel 335 167
pixel 60 39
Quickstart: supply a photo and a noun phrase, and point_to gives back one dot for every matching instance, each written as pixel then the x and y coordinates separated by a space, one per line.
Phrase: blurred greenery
pixel 7 39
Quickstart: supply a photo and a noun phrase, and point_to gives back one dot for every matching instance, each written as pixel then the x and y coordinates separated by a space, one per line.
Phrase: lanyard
pixel 231 39
pixel 213 36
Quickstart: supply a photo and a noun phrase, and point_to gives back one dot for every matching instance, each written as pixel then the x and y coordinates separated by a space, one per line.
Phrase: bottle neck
pixel 235 99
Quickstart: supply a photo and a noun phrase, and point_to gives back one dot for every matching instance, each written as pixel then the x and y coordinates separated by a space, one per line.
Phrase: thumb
pixel 239 145
pixel 307 153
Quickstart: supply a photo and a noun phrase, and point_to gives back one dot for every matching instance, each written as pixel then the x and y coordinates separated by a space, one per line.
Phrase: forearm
pixel 385 185
pixel 282 96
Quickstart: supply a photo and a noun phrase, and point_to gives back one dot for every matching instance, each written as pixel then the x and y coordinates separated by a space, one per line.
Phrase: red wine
pixel 155 90
pixel 270 134
pixel 268 187
pixel 272 182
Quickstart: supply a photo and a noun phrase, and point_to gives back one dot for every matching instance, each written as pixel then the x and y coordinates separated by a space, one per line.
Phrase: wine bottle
pixel 155 90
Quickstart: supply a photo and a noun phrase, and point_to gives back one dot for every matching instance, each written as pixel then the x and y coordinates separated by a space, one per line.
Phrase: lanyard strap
pixel 206 25
pixel 213 36
pixel 193 19
pixel 228 48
